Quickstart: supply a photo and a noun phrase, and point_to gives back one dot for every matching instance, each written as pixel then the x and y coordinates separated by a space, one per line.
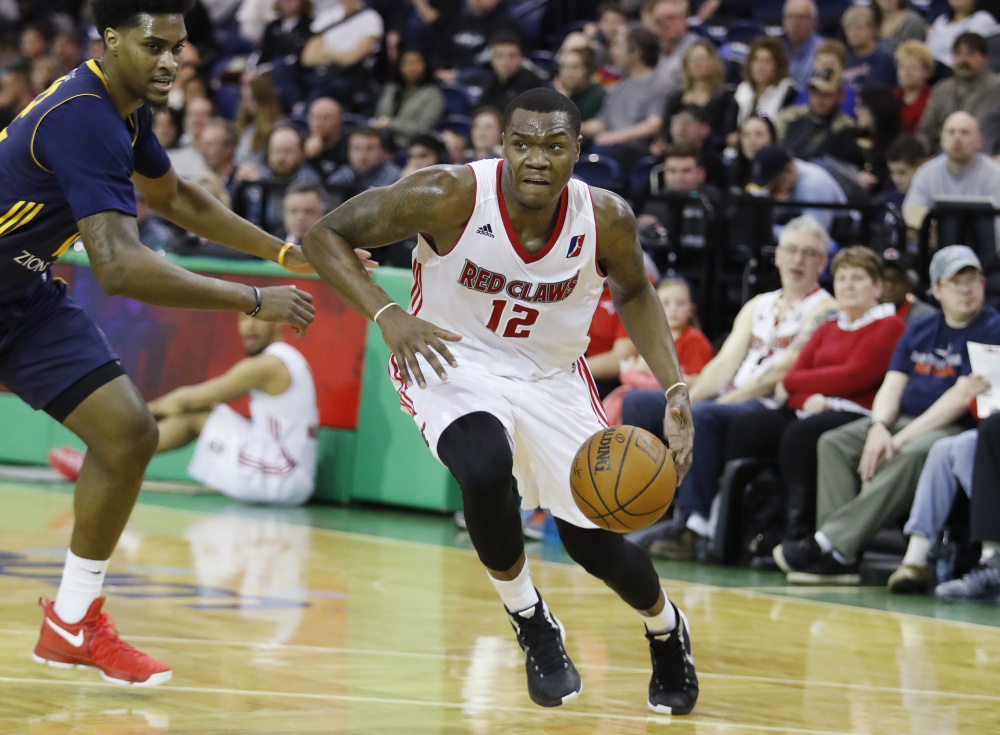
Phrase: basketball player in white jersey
pixel 507 274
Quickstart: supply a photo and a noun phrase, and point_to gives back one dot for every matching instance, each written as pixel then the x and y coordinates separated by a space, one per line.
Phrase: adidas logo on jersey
pixel 485 230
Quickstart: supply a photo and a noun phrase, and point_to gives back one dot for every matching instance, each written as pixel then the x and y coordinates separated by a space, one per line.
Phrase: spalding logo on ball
pixel 623 478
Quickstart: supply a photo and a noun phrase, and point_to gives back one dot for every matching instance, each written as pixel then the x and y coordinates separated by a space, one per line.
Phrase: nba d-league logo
pixel 575 246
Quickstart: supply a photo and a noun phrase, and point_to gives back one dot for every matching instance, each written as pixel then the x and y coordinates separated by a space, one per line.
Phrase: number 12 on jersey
pixel 518 324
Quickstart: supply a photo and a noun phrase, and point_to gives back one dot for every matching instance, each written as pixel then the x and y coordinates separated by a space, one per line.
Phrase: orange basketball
pixel 623 478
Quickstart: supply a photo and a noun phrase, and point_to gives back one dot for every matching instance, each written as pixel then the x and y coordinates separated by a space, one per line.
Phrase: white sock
pixel 917 551
pixel 664 622
pixel 519 593
pixel 80 586
pixel 989 549
pixel 825 545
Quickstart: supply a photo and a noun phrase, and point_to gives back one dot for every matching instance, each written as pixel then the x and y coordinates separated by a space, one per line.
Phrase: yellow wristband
pixel 379 312
pixel 675 385
pixel 281 253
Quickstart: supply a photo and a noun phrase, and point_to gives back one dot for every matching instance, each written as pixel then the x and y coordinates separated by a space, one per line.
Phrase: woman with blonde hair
pixel 258 115
pixel 703 83
pixel 914 66
pixel 766 87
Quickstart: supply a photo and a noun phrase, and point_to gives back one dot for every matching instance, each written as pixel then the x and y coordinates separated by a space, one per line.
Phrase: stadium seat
pixel 638 185
pixel 456 99
pixel 745 31
pixel 600 171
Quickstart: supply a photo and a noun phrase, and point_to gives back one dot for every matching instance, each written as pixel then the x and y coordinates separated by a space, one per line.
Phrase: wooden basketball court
pixel 329 620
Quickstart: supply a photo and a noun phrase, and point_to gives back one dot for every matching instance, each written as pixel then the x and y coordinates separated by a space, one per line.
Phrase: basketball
pixel 623 478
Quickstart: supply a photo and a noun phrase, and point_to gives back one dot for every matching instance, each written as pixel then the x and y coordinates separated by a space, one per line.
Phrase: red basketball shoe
pixel 67 461
pixel 94 643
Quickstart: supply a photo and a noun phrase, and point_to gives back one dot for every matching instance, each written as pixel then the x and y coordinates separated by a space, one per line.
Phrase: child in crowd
pixel 693 348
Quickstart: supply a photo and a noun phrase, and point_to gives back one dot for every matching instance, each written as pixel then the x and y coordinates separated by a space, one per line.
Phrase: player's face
pixel 257 335
pixel 144 61
pixel 540 151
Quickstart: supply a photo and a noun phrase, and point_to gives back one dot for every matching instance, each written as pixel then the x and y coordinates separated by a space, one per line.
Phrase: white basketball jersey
pixel 771 337
pixel 286 425
pixel 525 315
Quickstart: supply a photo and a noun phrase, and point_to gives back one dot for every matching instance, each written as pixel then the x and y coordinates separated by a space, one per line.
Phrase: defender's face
pixel 257 335
pixel 539 150
pixel 148 57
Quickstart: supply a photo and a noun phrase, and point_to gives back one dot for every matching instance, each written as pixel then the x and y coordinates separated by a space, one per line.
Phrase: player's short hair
pixel 543 99
pixel 809 224
pixel 909 149
pixel 305 188
pixel 858 256
pixel 686 151
pixel 120 14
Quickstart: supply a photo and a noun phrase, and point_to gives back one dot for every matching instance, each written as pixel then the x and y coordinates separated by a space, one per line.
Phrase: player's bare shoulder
pixel 614 219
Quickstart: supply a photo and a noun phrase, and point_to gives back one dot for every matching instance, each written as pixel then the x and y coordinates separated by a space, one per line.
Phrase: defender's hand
pixel 678 428
pixel 407 336
pixel 287 305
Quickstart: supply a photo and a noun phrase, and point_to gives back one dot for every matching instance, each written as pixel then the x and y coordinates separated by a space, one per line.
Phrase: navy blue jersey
pixel 68 155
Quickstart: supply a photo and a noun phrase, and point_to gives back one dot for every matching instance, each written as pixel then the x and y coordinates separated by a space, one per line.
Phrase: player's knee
pixel 135 437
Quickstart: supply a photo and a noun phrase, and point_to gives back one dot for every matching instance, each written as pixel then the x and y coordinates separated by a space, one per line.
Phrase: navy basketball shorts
pixel 51 354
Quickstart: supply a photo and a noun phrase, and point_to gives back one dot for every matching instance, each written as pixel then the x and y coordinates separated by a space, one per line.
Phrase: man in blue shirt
pixel 798 21
pixel 68 164
pixel 868 469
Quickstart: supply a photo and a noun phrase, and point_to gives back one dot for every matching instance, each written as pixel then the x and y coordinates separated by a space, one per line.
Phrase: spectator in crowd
pixel 982 583
pixel 867 63
pixel 67 51
pixel 878 126
pixel 703 83
pixel 411 101
pixel 416 23
pixel 756 132
pixel 270 458
pixel 973 89
pixel 820 129
pixel 963 16
pixel 190 66
pixel 185 160
pixel 683 171
pixel 899 280
pixel 425 149
pixel 326 145
pixel 868 469
pixel 765 340
pixel 833 382
pixel 368 163
pixel 217 145
pixel 464 39
pixel 282 43
pixel 897 24
pixel 914 66
pixel 961 171
pixel 633 108
pixel 668 19
pixel 34 41
pixel 903 157
pixel 798 23
pixel 508 76
pixel 611 20
pixel 16 91
pixel 689 129
pixel 832 54
pixel 485 134
pixel 303 206
pixel 766 87
pixel 575 79
pixel 257 116
pixel 197 114
pixel 784 178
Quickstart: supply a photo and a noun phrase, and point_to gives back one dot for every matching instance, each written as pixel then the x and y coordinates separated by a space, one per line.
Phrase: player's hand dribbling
pixel 287 305
pixel 407 335
pixel 678 429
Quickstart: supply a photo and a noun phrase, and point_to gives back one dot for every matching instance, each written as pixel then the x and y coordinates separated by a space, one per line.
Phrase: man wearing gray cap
pixel 868 469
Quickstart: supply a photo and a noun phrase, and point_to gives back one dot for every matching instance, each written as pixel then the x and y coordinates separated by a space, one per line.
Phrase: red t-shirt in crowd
pixel 605 327
pixel 693 350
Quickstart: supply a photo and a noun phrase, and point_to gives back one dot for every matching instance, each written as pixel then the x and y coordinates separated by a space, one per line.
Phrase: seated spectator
pixel 692 346
pixel 464 39
pixel 832 54
pixel 820 129
pixel 765 340
pixel 575 79
pixel 197 114
pixel 416 24
pixel 411 102
pixel 633 108
pixel 867 63
pixel 340 56
pixel 302 207
pixel 799 38
pixel 177 98
pixel 326 146
pixel 270 458
pixel 16 90
pixel 668 20
pixel 689 129
pixel 982 583
pixel 878 126
pixel 868 469
pixel 67 51
pixel 755 133
pixel 455 144
pixel 960 171
pixel 898 281
pixel 903 157
pixel 280 47
pixel 683 171
pixel 217 145
pixel 897 24
pixel 610 20
pixel 963 17
pixel 186 161
pixel 833 382
pixel 973 89
pixel 368 163
pixel 508 76
pixel 257 116
pixel 426 149
pixel 485 135
pixel 766 87
pixel 914 66
pixel 609 344
pixel 784 179
pixel 703 84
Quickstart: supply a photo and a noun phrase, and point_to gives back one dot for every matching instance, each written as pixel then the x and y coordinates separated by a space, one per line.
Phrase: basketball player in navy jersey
pixel 67 167
pixel 510 264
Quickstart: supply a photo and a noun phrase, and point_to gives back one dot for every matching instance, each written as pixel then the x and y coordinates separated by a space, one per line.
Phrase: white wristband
pixel 379 312
pixel 675 385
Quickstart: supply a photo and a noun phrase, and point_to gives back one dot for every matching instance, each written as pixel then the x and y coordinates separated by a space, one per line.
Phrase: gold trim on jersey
pixel 66 243
pixel 18 215
pixel 96 68
pixel 35 131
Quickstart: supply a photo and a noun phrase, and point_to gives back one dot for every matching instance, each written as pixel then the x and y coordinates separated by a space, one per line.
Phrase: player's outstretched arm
pixel 436 202
pixel 260 372
pixel 124 267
